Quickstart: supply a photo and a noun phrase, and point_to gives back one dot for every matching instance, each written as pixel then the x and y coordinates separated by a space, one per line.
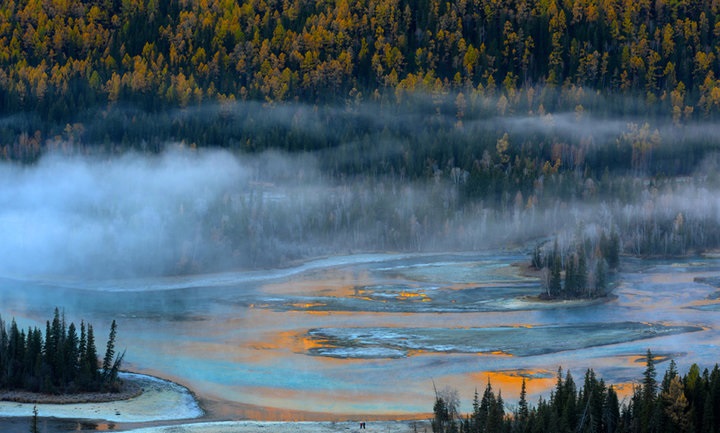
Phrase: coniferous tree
pixel 90 372
pixel 523 414
pixel 71 355
pixel 649 383
pixel 441 417
pixel 59 361
pixel 611 411
pixel 109 352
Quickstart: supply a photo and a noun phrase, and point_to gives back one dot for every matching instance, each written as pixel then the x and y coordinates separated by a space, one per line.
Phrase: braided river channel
pixel 372 335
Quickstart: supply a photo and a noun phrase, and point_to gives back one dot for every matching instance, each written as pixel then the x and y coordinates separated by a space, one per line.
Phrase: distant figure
pixel 362 426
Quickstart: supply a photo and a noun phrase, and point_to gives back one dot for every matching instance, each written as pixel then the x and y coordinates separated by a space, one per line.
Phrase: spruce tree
pixel 611 411
pixel 649 388
pixel 90 366
pixel 109 352
pixel 523 409
pixel 70 355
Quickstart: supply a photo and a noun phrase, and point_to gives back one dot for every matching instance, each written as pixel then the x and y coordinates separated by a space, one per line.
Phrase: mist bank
pixel 250 185
pixel 191 211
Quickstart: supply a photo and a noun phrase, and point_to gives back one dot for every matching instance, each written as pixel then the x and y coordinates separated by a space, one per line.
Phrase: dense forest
pixel 61 361
pixel 689 403
pixel 422 125
pixel 63 56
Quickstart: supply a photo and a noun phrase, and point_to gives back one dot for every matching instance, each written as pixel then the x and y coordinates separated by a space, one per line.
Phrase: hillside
pixel 63 56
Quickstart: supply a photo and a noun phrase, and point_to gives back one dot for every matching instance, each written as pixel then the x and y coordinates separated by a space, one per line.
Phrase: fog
pixel 84 210
pixel 110 217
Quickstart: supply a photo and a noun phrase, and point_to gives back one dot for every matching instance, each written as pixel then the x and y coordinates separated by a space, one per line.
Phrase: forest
pixel 59 57
pixel 60 362
pixel 688 403
pixel 427 125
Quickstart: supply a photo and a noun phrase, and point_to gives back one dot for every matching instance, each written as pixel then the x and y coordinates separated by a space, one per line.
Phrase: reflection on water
pixel 392 325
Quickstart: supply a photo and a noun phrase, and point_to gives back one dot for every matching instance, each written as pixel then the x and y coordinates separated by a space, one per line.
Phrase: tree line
pixel 689 403
pixel 61 361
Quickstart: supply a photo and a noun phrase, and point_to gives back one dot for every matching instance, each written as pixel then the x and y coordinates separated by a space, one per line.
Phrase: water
pixel 371 334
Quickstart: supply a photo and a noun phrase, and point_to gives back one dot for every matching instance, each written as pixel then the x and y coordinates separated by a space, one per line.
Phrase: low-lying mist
pixel 296 182
pixel 109 217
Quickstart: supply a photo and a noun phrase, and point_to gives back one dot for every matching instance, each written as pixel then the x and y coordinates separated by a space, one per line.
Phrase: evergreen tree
pixel 90 374
pixel 109 353
pixel 647 406
pixel 611 411
pixel 649 383
pixel 442 416
pixel 57 362
pixel 523 414
pixel 71 355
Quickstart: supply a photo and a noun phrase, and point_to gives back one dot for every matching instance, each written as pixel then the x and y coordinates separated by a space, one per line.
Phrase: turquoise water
pixel 369 334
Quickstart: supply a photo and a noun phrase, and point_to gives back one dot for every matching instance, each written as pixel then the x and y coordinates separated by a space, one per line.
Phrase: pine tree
pixel 70 355
pixel 646 402
pixel 649 388
pixel 523 409
pixel 109 352
pixel 611 411
pixel 90 363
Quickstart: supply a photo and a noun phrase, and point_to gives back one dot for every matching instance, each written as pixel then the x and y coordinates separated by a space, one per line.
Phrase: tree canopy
pixel 63 56
pixel 61 361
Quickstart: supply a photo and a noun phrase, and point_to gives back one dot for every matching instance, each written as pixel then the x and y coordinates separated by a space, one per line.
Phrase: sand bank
pixel 160 400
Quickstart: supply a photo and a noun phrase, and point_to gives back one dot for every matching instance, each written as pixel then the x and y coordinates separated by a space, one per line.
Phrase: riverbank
pixel 129 389
pixel 414 426
pixel 158 400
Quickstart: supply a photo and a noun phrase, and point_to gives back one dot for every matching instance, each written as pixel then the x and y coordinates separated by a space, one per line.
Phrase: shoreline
pixel 129 390
pixel 213 409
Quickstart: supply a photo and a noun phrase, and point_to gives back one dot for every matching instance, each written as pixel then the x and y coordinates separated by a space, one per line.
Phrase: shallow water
pixel 370 334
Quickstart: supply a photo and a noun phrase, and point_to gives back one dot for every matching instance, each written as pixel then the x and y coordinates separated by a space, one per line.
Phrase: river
pixel 373 334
